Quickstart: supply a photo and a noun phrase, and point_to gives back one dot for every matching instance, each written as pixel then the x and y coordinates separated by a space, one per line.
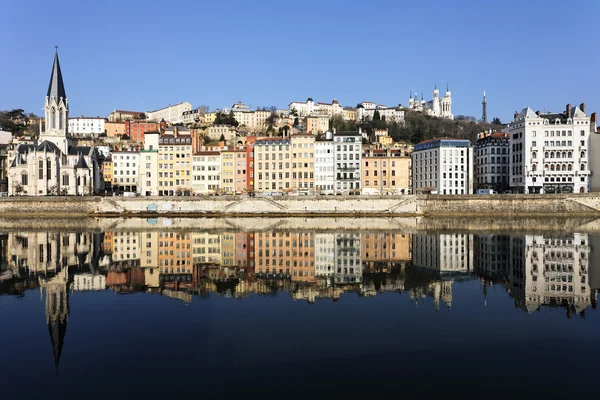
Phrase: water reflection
pixel 535 271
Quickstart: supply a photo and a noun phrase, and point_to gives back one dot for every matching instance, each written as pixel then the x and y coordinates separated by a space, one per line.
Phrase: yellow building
pixel 228 170
pixel 175 162
pixel 272 165
pixel 228 249
pixel 149 257
pixel 303 163
pixel 209 118
pixel 206 248
pixel 349 114
pixel 385 248
pixel 107 172
pixel 386 172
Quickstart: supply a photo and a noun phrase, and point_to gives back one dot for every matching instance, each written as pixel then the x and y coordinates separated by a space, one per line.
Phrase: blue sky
pixel 143 55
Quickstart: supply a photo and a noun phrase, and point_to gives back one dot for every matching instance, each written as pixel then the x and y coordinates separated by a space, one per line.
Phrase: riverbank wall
pixel 492 206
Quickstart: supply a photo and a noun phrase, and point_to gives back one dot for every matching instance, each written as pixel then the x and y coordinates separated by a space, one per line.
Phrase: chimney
pixel 582 107
pixel 568 112
pixel 538 113
pixel 594 120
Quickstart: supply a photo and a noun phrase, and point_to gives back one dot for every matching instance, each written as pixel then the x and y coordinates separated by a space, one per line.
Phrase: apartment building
pixel 443 166
pixel 303 166
pixel 215 132
pixel 549 153
pixel 206 248
pixel 325 166
pixel 272 165
pixel 115 128
pixel 228 168
pixel 240 176
pixel 174 162
pixel 86 126
pixel 444 255
pixel 136 129
pixel 386 172
pixel 126 166
pixel 123 115
pixel 348 152
pixel 316 124
pixel 492 161
pixel 206 172
pixel 148 179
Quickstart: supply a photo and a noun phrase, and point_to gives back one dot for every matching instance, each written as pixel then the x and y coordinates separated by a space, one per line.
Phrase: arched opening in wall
pixel 24 179
pixel 552 167
pixel 534 167
pixel 564 167
pixel 581 190
pixel 53 118
pixel 60 119
pixel 570 167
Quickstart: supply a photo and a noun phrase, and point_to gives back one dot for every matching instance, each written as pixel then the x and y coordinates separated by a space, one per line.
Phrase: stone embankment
pixel 492 206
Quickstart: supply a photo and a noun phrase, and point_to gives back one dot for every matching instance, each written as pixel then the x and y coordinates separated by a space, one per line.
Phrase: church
pixel 52 165
pixel 438 107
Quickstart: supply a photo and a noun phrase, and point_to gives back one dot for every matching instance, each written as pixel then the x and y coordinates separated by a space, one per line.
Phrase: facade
pixel 549 153
pixel 86 126
pixel 438 107
pixel 325 166
pixel 324 254
pixel 126 169
pixel 206 172
pixel 492 161
pixel 228 170
pixel 136 129
pixel 122 115
pixel 348 152
pixel 148 178
pixel 303 163
pixel 303 109
pixel 272 165
pixel 55 165
pixel 172 114
pixel 389 114
pixel 174 162
pixel 193 116
pixel 317 124
pixel 348 258
pixel 443 166
pixel 386 172
pixel 115 128
pixel 240 176
pixel 215 132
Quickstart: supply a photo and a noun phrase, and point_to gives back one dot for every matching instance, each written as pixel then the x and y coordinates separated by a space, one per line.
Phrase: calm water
pixel 296 314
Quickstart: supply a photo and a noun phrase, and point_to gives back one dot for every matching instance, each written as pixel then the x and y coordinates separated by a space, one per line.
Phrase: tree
pixel 296 122
pixel 376 116
pixel 204 108
pixel 18 188
pixel 496 121
pixel 222 138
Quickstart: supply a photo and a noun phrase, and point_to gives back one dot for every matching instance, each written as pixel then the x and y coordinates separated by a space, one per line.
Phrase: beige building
pixel 303 163
pixel 272 167
pixel 215 132
pixel 317 124
pixel 172 113
pixel 209 118
pixel 206 247
pixel 386 172
pixel 148 179
pixel 228 249
pixel 174 162
pixel 228 170
pixel 122 115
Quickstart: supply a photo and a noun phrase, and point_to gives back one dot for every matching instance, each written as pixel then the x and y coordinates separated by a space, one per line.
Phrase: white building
pixel 172 114
pixel 126 169
pixel 438 107
pixel 54 166
pixel 325 166
pixel 492 161
pixel 366 111
pixel 206 172
pixel 86 126
pixel 303 109
pixel 549 152
pixel 348 155
pixel 443 166
pixel 88 282
pixel 192 116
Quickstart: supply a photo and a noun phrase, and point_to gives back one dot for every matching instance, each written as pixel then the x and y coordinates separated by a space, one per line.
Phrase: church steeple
pixel 56 88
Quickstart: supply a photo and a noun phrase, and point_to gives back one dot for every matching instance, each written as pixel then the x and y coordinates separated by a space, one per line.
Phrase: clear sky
pixel 143 55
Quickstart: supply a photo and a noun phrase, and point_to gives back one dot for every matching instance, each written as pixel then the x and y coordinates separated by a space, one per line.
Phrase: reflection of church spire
pixel 57 311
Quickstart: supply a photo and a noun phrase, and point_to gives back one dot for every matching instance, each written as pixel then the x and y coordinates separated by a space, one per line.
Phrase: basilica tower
pixel 56 110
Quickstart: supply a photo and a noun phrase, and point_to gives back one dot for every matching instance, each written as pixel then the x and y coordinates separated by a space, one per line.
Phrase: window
pixel 24 179
pixel 65 180
pixel 41 169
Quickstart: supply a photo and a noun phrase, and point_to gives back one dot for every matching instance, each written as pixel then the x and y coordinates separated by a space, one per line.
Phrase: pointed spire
pixel 447 90
pixel 56 88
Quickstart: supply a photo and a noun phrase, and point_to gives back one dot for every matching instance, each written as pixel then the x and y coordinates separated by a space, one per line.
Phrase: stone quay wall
pixel 305 206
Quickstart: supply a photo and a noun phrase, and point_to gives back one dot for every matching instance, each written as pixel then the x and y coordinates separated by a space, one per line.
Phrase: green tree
pixel 496 121
pixel 222 138
pixel 376 116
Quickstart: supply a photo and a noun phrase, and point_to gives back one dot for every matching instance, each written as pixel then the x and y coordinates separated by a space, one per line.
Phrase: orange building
pixel 136 129
pixel 175 252
pixel 250 140
pixel 385 248
pixel 115 129
pixel 288 254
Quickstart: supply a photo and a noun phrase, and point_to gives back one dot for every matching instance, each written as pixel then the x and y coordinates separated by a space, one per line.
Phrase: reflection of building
pixel 385 248
pixel 444 254
pixel 206 248
pixel 324 254
pixel 491 256
pixel 550 271
pixel 57 310
pixel 88 282
pixel 347 258
pixel 492 161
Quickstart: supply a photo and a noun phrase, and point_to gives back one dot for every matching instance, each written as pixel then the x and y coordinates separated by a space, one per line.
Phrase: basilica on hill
pixel 52 164
pixel 437 107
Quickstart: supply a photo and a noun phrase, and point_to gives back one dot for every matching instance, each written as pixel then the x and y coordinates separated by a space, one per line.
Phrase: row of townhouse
pixel 537 153
pixel 364 111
